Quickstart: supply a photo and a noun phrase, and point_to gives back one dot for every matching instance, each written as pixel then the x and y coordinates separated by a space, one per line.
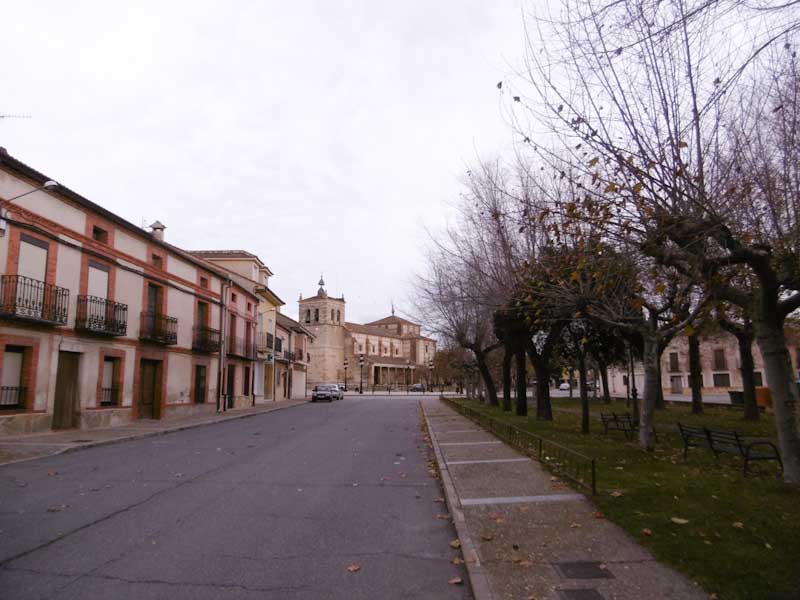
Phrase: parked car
pixel 324 391
pixel 417 387
pixel 340 389
pixel 564 387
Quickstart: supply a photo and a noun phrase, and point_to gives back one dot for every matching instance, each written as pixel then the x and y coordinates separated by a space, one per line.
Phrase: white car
pixel 340 389
pixel 564 387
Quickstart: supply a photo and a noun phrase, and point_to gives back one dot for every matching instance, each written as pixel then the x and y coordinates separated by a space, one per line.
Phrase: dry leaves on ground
pixel 354 568
pixel 457 561
pixel 598 515
pixel 455 544
pixel 679 520
pixel 487 537
pixel 455 581
pixel 738 525
pixel 616 493
pixel 442 516
pixel 647 532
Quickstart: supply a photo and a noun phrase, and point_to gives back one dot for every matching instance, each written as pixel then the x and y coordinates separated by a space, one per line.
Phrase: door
pixel 31 299
pixel 229 384
pixel 149 404
pixel 65 410
pixel 199 384
pixel 676 384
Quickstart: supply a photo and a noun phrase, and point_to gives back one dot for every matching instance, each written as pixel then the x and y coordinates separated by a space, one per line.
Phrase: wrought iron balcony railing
pixel 109 396
pixel 242 347
pixel 98 315
pixel 12 398
pixel 32 300
pixel 206 339
pixel 158 328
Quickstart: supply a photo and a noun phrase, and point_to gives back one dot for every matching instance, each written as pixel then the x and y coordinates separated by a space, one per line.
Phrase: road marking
pixel 493 460
pixel 522 499
pixel 468 443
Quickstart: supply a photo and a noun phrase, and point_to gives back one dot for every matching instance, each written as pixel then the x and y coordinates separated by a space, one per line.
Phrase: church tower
pixel 324 316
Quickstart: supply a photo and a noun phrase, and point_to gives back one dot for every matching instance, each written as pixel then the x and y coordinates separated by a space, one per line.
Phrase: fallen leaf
pixel 455 581
pixel 738 525
pixel 679 521
pixel 616 493
pixel 598 515
pixel 768 545
pixel 647 532
pixel 440 499
pixel 51 473
pixel 442 516
pixel 524 563
pixel 354 567
pixel 457 561
pixel 455 544
pixel 487 537
pixel 574 525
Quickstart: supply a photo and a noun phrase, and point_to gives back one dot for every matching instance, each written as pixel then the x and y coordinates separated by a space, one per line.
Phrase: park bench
pixel 728 442
pixel 624 423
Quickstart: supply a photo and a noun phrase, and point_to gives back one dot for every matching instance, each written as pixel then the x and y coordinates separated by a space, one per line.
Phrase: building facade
pixel 394 351
pixel 102 322
pixel 292 356
pixel 719 361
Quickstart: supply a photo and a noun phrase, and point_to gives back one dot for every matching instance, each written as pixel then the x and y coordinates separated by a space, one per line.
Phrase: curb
pixel 147 434
pixel 479 582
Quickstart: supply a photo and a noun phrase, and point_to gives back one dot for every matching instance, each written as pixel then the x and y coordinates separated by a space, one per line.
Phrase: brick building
pixel 394 350
pixel 102 322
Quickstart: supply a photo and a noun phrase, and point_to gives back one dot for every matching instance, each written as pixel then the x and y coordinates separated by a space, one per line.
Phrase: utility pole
pixel 361 365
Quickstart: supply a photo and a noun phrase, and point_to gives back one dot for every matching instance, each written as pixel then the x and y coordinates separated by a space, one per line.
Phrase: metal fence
pixel 12 398
pixel 25 298
pixel 577 467
pixel 99 315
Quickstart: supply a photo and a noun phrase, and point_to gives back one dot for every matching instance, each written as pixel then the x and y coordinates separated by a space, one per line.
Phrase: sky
pixel 325 137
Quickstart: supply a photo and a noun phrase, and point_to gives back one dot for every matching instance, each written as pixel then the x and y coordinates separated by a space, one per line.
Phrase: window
pixel 202 314
pixel 625 380
pixel 758 379
pixel 278 344
pixel 109 391
pixel 722 380
pixel 157 261
pixel 316 315
pixel 246 388
pixel 12 390
pixel 338 316
pixel 99 235
pixel 308 315
pixel 249 307
pixel 361 347
pixel 204 283
pixel 234 297
pixel 720 364
pixel 674 365
pixel 332 319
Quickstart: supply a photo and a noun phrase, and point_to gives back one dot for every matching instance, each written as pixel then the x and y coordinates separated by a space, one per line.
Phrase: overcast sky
pixel 322 136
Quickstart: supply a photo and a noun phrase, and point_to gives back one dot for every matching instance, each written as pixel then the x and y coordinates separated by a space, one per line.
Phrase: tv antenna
pixel 10 116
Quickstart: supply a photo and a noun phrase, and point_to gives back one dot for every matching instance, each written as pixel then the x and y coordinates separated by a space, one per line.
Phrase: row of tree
pixel 655 190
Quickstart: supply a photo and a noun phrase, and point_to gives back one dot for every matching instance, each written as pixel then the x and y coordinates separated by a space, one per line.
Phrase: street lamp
pixel 361 382
pixel 408 366
pixel 47 184
pixel 346 364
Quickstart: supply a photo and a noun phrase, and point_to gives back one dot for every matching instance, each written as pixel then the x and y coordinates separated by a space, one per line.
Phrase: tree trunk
pixel 544 410
pixel 652 383
pixel 780 378
pixel 522 385
pixel 583 392
pixel 604 380
pixel 488 381
pixel 632 387
pixel 695 374
pixel 745 339
pixel 569 375
pixel 507 379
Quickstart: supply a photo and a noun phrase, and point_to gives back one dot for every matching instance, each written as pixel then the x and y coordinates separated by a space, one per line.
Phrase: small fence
pixel 577 467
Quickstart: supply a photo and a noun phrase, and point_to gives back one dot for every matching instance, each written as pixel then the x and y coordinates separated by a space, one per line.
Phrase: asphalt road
pixel 272 506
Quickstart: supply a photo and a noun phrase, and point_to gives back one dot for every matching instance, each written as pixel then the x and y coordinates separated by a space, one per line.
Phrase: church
pixel 394 351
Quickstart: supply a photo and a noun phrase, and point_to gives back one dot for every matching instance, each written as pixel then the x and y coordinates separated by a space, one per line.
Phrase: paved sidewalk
pixel 526 535
pixel 25 447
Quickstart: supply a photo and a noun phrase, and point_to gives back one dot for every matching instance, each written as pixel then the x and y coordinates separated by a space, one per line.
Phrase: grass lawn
pixel 742 539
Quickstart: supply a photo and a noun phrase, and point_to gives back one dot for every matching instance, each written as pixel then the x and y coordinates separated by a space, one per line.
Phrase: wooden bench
pixel 728 442
pixel 623 423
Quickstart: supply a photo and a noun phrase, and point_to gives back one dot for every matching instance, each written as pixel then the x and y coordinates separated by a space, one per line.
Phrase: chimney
pixel 157 230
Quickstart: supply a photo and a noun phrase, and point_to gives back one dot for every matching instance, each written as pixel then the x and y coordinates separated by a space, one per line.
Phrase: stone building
pixel 394 350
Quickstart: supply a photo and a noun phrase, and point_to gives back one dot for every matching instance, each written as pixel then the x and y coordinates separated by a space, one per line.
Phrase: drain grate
pixel 585 594
pixel 582 570
pixel 80 441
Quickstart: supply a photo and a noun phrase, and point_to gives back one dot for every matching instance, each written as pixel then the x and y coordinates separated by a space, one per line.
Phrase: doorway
pixel 229 385
pixel 149 402
pixel 676 386
pixel 199 384
pixel 65 410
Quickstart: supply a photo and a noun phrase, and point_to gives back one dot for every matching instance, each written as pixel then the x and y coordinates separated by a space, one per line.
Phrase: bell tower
pixel 324 316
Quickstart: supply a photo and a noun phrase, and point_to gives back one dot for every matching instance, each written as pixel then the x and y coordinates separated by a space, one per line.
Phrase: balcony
pixel 241 347
pixel 264 341
pixel 101 316
pixel 206 339
pixel 12 398
pixel 159 329
pixel 31 300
